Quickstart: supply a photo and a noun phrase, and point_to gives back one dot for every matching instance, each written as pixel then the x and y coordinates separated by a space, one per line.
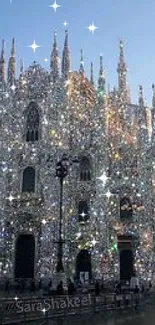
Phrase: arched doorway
pixel 83 265
pixel 126 264
pixel 24 256
pixel 126 247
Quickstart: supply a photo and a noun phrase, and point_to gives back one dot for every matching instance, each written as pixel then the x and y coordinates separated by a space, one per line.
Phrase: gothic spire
pixel 141 98
pixel 122 72
pixel 66 58
pixel 142 109
pixel 54 65
pixel 81 70
pixel 153 112
pixel 21 77
pixel 2 63
pixel 101 79
pixel 21 66
pixel 12 65
pixel 92 74
pixel 153 96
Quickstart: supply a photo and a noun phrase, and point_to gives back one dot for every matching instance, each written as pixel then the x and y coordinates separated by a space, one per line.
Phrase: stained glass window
pixel 83 211
pixel 32 125
pixel 85 169
pixel 28 184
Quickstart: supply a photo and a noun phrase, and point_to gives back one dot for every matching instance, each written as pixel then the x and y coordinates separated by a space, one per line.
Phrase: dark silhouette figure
pixel 150 285
pixel 50 286
pixel 97 289
pixel 71 288
pixel 118 288
pixel 136 290
pixel 60 288
pixel 143 289
pixel 103 287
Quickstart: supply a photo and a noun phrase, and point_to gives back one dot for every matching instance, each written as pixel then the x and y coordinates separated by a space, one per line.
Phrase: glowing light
pixel 108 194
pixel 16 298
pixel 65 24
pixel 55 6
pixel 10 198
pixel 92 28
pixel 83 214
pixel 34 46
pixel 13 87
pixel 103 178
pixel 94 242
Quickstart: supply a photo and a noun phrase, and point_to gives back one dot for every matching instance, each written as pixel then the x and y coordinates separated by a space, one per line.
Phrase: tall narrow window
pixel 28 180
pixel 85 169
pixel 32 124
pixel 125 208
pixel 83 211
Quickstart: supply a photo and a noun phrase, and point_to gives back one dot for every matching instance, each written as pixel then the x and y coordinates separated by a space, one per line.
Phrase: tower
pixel 91 74
pixel 2 63
pixel 142 119
pixel 66 58
pixel 153 113
pixel 101 80
pixel 21 66
pixel 81 70
pixel 122 76
pixel 152 169
pixel 55 61
pixel 12 65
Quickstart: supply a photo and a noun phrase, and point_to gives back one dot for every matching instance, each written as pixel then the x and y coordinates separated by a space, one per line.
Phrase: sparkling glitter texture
pixel 109 149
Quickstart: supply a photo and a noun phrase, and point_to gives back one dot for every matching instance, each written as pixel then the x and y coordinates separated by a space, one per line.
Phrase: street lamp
pixel 61 173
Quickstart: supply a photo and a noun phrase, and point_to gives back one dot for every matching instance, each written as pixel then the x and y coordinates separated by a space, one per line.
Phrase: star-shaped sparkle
pixel 108 194
pixel 103 178
pixel 34 46
pixel 10 198
pixel 92 28
pixel 94 242
pixel 13 87
pixel 55 6
pixel 83 214
pixel 16 298
pixel 46 60
pixel 65 23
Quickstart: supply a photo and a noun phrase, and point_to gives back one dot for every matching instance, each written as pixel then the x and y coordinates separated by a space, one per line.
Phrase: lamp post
pixel 61 173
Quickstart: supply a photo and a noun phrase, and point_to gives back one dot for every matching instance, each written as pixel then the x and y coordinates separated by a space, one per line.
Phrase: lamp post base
pixel 59 267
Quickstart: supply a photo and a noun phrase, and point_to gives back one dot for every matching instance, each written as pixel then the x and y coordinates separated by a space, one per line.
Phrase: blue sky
pixel 131 20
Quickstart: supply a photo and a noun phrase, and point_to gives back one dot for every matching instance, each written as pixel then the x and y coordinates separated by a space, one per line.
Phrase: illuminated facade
pixel 108 197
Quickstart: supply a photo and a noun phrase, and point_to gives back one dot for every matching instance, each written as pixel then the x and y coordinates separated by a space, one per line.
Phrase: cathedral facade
pixel 105 144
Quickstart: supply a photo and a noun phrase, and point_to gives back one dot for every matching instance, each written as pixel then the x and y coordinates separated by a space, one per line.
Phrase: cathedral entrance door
pixel 125 245
pixel 83 265
pixel 24 256
pixel 126 264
